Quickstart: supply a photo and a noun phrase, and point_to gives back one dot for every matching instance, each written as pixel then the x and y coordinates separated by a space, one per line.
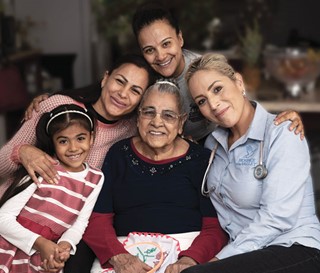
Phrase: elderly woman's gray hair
pixel 166 86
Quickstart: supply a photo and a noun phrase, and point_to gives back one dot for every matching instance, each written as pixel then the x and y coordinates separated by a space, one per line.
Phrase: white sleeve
pixel 74 234
pixel 10 229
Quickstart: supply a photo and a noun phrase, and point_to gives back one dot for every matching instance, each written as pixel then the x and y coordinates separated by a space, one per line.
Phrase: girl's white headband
pixel 52 117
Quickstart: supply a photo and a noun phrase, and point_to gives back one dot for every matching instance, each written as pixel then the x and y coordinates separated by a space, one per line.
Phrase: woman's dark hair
pixel 90 94
pixel 50 123
pixel 150 12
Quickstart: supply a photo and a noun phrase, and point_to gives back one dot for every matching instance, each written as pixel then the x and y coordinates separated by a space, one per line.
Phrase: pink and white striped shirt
pixel 58 212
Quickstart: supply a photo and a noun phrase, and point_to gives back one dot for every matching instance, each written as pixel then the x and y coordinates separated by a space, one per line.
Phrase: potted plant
pixel 251 47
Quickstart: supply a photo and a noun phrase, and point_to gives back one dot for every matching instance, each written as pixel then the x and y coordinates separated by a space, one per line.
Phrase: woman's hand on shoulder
pixel 296 121
pixel 34 105
pixel 180 265
pixel 38 162
pixel 127 263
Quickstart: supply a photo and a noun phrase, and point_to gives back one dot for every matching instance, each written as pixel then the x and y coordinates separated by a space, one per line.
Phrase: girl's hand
pixel 51 265
pixel 63 253
pixel 48 250
pixel 36 161
pixel 296 123
pixel 34 105
pixel 57 261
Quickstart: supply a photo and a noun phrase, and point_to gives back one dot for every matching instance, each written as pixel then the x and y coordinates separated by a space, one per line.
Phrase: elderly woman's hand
pixel 180 265
pixel 38 162
pixel 127 263
pixel 296 123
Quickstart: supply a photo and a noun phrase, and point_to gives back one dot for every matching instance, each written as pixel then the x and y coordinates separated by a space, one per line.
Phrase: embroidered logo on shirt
pixel 247 159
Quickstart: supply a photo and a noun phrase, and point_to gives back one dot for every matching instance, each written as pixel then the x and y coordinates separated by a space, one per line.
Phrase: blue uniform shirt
pixel 277 210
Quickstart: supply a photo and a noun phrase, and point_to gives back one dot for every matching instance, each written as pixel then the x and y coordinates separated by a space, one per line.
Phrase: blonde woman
pixel 259 180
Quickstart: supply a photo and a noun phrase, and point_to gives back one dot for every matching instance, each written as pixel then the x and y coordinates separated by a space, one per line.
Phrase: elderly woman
pixel 259 180
pixel 153 185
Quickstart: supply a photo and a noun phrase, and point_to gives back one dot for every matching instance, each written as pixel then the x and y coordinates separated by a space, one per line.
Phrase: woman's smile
pixel 222 112
pixel 118 102
pixel 74 157
pixel 164 64
pixel 156 133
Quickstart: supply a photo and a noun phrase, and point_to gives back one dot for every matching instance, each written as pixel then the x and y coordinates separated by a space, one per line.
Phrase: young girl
pixel 40 226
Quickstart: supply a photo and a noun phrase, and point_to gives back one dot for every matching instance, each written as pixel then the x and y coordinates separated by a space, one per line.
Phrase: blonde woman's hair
pixel 211 61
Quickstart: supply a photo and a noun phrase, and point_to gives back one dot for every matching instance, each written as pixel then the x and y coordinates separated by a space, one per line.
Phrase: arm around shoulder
pixel 10 153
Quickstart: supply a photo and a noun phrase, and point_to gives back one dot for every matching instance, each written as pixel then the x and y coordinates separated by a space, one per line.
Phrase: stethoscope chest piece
pixel 260 171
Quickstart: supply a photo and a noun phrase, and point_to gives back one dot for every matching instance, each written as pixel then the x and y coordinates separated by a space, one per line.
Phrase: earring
pixel 243 92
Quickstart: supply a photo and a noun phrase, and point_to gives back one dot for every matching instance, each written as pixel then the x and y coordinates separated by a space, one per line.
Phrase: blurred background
pixel 48 45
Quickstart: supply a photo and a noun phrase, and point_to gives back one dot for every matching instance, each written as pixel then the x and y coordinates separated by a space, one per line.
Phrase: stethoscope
pixel 260 171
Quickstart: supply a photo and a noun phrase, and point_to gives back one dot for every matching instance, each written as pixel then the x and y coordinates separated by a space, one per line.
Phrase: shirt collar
pixel 259 123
